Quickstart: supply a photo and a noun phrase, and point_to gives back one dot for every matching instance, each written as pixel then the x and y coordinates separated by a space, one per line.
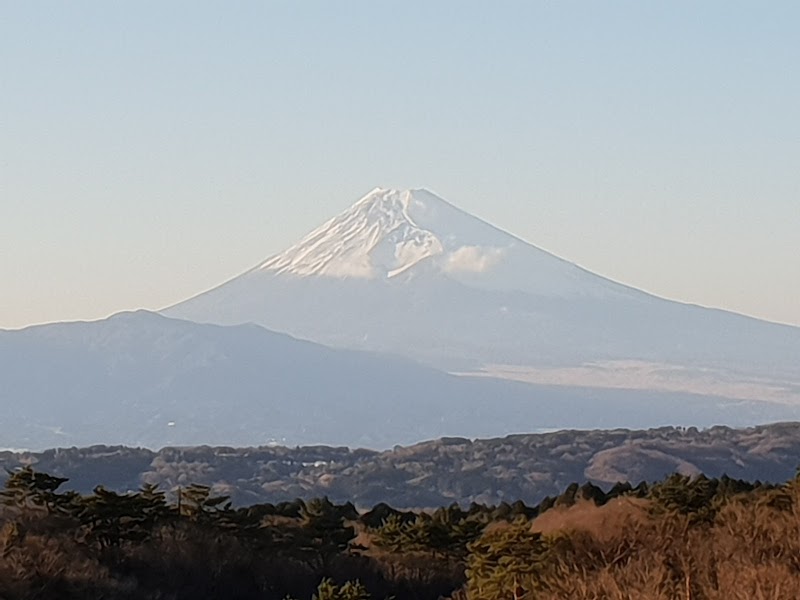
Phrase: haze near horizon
pixel 151 153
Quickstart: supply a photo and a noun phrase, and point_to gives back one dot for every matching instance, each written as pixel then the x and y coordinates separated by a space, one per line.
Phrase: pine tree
pixel 26 490
pixel 391 535
pixel 324 532
pixel 197 504
pixel 352 590
pixel 505 563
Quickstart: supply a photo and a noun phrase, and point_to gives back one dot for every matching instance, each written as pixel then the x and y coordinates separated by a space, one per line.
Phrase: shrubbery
pixel 681 538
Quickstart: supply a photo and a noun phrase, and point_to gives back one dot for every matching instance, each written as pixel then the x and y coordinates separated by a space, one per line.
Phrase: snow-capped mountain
pixel 405 272
pixel 389 233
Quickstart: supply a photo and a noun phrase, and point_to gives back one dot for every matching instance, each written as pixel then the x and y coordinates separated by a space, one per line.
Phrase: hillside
pixel 406 272
pixel 436 473
pixel 678 538
pixel 142 379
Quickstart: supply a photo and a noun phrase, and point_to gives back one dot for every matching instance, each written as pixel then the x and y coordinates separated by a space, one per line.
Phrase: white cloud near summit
pixel 473 259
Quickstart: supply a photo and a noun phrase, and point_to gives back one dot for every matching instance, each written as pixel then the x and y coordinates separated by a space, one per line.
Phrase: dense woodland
pixel 680 538
pixel 524 467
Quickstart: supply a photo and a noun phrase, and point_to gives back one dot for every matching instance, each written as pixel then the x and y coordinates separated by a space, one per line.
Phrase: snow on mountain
pixel 376 237
pixel 389 232
pixel 405 272
pixel 399 273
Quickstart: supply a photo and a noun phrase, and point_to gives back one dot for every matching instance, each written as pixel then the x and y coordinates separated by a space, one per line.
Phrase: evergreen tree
pixel 324 532
pixel 26 489
pixel 505 563
pixel 392 534
pixel 197 504
pixel 328 590
pixel 109 518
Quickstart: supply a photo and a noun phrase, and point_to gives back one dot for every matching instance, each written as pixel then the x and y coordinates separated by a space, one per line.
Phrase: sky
pixel 151 150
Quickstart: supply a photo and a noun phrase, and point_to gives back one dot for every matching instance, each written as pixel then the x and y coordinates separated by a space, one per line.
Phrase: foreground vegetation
pixel 681 538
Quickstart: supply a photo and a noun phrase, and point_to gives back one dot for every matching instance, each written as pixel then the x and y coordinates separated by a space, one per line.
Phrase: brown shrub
pixel 750 552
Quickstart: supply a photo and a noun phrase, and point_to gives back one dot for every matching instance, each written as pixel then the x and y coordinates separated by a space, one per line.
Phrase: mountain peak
pixel 387 197
pixel 385 233
pixel 393 232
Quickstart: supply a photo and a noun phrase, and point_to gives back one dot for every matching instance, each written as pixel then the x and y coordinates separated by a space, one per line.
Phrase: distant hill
pixel 524 467
pixel 141 379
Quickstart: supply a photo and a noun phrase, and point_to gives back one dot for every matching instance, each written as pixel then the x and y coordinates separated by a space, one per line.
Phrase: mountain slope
pixel 391 232
pixel 407 273
pixel 436 473
pixel 144 379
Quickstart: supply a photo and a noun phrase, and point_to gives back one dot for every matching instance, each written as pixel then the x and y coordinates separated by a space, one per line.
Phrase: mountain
pixel 405 272
pixel 402 319
pixel 142 379
pixel 389 233
pixel 438 472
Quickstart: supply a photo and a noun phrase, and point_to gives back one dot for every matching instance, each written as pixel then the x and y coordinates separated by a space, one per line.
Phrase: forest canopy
pixel 682 537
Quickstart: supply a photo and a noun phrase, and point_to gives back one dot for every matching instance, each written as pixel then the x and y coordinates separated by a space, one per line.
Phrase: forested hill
pixel 524 467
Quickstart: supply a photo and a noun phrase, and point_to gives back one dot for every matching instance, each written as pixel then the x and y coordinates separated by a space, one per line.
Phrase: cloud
pixel 473 259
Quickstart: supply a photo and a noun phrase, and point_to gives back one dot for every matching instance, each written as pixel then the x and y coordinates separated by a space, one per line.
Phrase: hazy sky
pixel 150 150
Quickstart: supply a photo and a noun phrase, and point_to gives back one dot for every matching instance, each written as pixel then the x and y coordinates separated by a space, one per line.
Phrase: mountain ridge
pixel 390 231
pixel 140 378
pixel 525 466
pixel 516 305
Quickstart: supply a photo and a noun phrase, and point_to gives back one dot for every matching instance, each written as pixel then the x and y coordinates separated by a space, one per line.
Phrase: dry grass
pixel 747 550
pixel 750 552
pixel 602 522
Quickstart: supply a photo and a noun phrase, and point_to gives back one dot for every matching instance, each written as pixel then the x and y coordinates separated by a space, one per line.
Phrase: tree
pixel 328 590
pixel 392 534
pixel 686 496
pixel 26 489
pixel 324 532
pixel 505 563
pixel 197 504
pixel 109 518
pixel 352 590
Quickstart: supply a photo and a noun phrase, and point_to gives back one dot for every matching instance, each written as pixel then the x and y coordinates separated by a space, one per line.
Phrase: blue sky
pixel 151 150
